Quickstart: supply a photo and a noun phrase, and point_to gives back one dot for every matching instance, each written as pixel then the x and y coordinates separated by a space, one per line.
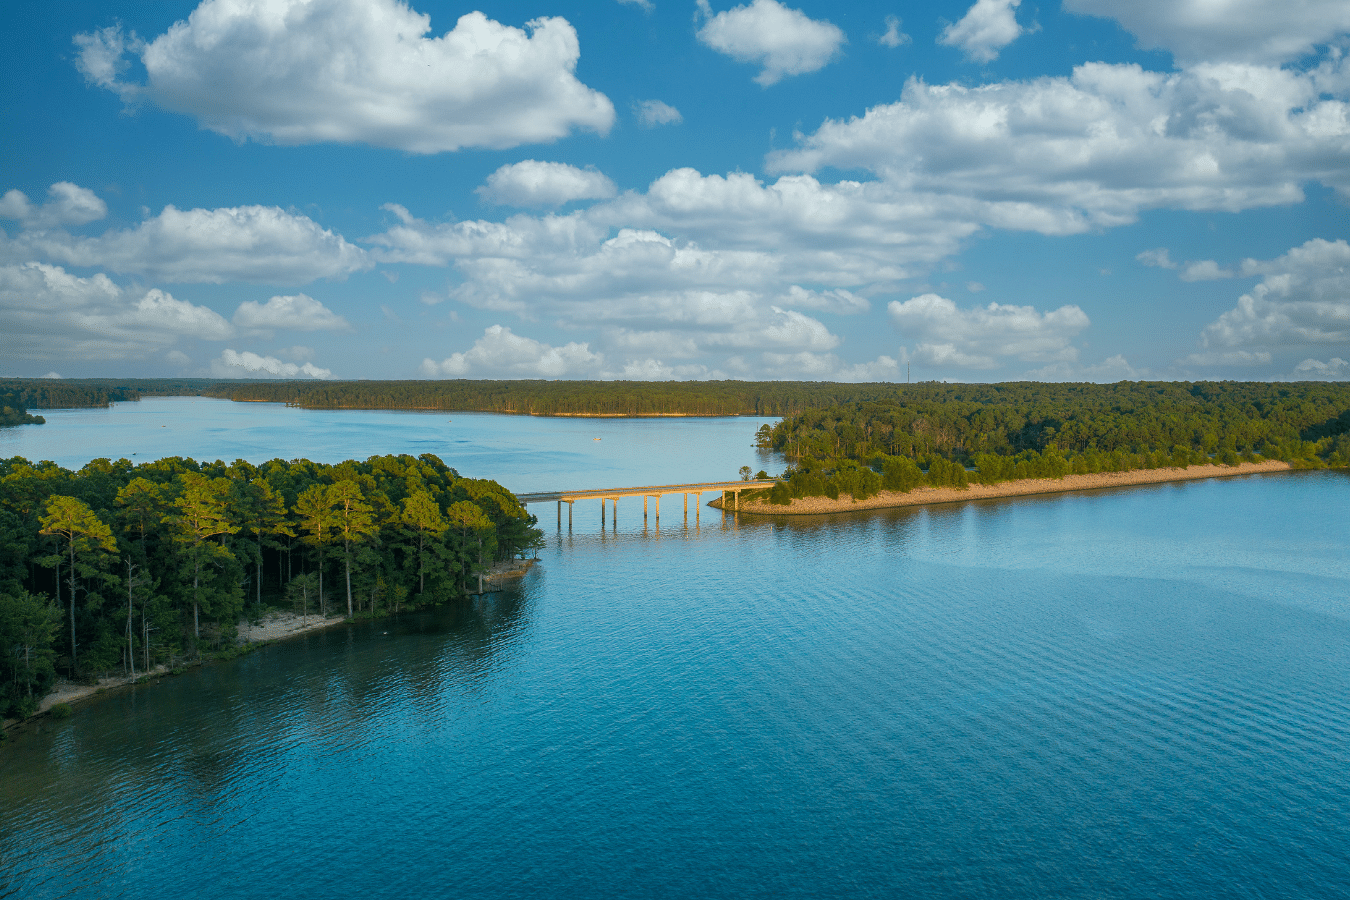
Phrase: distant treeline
pixel 565 398
pixel 537 398
pixel 14 411
pixel 950 435
pixel 128 566
pixel 59 393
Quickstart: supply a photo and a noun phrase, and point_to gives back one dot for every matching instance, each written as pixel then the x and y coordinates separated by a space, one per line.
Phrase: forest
pixel 14 411
pixel 121 566
pixel 952 435
pixel 536 398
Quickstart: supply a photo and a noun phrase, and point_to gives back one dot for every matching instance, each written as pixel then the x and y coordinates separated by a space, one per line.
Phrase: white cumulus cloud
pixel 1115 368
pixel 1061 155
pixel 47 312
pixel 651 113
pixel 1334 369
pixel 983 337
pixel 1259 31
pixel 67 204
pixel 1159 258
pixel 501 353
pixel 764 32
pixel 233 364
pixel 1204 270
pixel 892 37
pixel 356 71
pixel 1301 302
pixel 296 313
pixel 985 29
pixel 245 243
pixel 535 183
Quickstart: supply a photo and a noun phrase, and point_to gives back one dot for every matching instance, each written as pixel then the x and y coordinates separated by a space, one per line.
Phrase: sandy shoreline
pixel 815 506
pixel 276 625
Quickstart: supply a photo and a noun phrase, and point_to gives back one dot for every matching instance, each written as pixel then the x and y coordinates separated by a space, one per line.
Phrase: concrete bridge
pixel 646 493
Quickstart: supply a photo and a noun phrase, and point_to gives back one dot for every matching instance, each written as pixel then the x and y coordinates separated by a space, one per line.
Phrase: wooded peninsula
pixel 951 436
pixel 121 566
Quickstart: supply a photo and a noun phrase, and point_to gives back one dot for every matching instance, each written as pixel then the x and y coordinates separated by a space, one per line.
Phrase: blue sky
pixel 368 189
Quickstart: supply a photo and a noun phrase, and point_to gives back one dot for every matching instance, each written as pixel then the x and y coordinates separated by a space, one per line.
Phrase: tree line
pixel 14 411
pixel 951 435
pixel 130 566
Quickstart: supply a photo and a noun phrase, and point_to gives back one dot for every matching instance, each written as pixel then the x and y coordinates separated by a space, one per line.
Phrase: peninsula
pixel 922 496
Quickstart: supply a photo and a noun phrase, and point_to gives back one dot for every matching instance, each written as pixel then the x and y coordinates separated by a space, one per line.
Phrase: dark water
pixel 1139 693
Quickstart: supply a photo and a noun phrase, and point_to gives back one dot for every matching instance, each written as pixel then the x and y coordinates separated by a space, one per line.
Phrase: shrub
pixel 59 711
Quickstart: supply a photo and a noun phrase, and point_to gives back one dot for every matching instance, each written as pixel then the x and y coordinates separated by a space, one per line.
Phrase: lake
pixel 1132 693
pixel 524 453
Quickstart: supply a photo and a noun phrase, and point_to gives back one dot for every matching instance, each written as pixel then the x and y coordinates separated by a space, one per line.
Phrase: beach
pixel 814 506
pixel 275 626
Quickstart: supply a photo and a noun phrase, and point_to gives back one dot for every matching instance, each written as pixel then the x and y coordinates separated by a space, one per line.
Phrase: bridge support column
pixel 560 515
pixel 602 513
pixel 614 518
pixel 698 508
pixel 686 507
pixel 644 510
pixel 569 515
pixel 658 510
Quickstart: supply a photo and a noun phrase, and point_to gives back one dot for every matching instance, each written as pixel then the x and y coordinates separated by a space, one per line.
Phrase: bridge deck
pixel 649 491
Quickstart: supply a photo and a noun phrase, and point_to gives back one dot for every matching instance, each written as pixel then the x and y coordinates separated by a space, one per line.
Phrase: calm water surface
pixel 1140 693
pixel 524 453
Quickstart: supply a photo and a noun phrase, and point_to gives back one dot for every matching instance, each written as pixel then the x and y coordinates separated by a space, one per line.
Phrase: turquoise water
pixel 524 453
pixel 1134 693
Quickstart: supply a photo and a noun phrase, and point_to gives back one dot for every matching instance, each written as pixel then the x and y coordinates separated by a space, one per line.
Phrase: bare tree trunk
pixel 131 644
pixel 260 568
pixel 72 603
pixel 347 554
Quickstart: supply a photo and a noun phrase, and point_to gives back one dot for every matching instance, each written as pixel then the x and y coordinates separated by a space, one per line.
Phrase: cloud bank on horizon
pixel 770 190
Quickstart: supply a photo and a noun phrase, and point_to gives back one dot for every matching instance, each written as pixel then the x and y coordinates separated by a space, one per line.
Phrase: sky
pixel 671 189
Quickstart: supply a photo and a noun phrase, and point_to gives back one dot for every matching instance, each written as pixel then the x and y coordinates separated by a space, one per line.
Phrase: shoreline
pixel 276 625
pixel 924 496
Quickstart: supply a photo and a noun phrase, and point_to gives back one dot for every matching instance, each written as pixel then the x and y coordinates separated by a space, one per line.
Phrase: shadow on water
pixel 181 746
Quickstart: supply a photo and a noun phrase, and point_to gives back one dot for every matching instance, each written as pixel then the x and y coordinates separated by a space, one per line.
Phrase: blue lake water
pixel 1134 693
pixel 524 453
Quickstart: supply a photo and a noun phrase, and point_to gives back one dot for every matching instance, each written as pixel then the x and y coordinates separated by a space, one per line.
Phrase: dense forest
pixel 950 435
pixel 14 411
pixel 538 398
pixel 564 398
pixel 118 566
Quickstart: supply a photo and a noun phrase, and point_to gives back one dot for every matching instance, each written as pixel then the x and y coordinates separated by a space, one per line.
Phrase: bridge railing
pixel 645 492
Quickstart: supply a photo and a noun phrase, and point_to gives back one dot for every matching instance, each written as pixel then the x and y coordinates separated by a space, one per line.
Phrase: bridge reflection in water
pixel 646 493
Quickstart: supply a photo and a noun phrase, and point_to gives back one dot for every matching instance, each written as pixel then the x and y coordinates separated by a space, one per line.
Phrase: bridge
pixel 646 493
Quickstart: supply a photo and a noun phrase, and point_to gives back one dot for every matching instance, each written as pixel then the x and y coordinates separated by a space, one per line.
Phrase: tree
pixel 201 517
pixel 87 538
pixel 298 590
pixel 423 515
pixel 466 516
pixel 28 625
pixel 261 512
pixel 352 522
pixel 745 473
pixel 316 518
pixel 142 503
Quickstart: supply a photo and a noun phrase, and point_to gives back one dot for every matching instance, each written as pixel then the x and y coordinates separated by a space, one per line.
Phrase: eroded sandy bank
pixel 276 625
pixel 814 506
